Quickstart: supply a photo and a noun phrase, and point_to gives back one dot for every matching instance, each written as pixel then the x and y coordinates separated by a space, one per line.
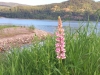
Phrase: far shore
pixel 29 18
pixel 49 19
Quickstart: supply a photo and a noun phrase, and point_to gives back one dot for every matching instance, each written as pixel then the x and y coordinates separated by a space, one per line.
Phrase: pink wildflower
pixel 60 44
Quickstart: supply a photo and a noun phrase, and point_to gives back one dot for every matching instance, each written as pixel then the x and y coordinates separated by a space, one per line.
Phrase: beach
pixel 19 36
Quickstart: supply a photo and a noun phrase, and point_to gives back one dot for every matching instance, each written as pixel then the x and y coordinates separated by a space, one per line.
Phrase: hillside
pixel 9 4
pixel 71 9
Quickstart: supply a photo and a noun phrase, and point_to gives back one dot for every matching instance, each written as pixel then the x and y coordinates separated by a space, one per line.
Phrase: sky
pixel 35 2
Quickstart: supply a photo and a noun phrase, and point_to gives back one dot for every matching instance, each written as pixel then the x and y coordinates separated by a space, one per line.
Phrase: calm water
pixel 47 25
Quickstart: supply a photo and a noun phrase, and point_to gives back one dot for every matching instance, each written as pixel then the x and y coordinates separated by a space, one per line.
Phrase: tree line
pixel 70 10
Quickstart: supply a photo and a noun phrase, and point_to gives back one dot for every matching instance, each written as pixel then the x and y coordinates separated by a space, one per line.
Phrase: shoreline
pixel 19 36
pixel 49 19
pixel 29 18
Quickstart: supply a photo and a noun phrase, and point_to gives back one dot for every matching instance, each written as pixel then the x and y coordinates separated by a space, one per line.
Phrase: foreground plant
pixel 60 50
pixel 83 56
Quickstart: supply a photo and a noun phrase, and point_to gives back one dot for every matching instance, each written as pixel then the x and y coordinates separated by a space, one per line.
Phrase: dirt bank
pixel 19 36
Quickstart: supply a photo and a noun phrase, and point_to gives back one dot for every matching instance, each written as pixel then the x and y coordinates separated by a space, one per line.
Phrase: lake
pixel 47 25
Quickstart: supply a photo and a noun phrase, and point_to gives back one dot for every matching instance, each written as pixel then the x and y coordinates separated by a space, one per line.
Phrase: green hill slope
pixel 71 9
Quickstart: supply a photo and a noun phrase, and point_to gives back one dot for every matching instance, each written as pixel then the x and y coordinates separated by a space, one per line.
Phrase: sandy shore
pixel 18 36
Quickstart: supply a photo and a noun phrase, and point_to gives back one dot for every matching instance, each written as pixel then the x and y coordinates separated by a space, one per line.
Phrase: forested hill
pixel 71 9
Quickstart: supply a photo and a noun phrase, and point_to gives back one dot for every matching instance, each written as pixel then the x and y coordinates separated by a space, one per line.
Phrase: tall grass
pixel 82 56
pixel 32 27
pixel 6 26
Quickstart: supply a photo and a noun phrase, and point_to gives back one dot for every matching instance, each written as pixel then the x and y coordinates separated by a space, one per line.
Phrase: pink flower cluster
pixel 60 44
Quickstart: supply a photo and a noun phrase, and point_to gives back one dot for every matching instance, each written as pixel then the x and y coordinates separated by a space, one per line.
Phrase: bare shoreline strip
pixel 19 36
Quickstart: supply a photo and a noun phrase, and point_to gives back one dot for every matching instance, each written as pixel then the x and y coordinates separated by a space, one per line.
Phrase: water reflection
pixel 47 25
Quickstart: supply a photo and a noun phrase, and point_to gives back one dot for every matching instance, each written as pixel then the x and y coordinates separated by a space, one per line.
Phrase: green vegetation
pixel 6 26
pixel 32 27
pixel 82 51
pixel 71 9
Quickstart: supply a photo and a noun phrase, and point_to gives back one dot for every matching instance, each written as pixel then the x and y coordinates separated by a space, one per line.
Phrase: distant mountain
pixel 71 9
pixel 10 4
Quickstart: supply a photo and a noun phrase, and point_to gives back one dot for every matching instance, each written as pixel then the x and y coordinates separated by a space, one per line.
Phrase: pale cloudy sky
pixel 35 2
